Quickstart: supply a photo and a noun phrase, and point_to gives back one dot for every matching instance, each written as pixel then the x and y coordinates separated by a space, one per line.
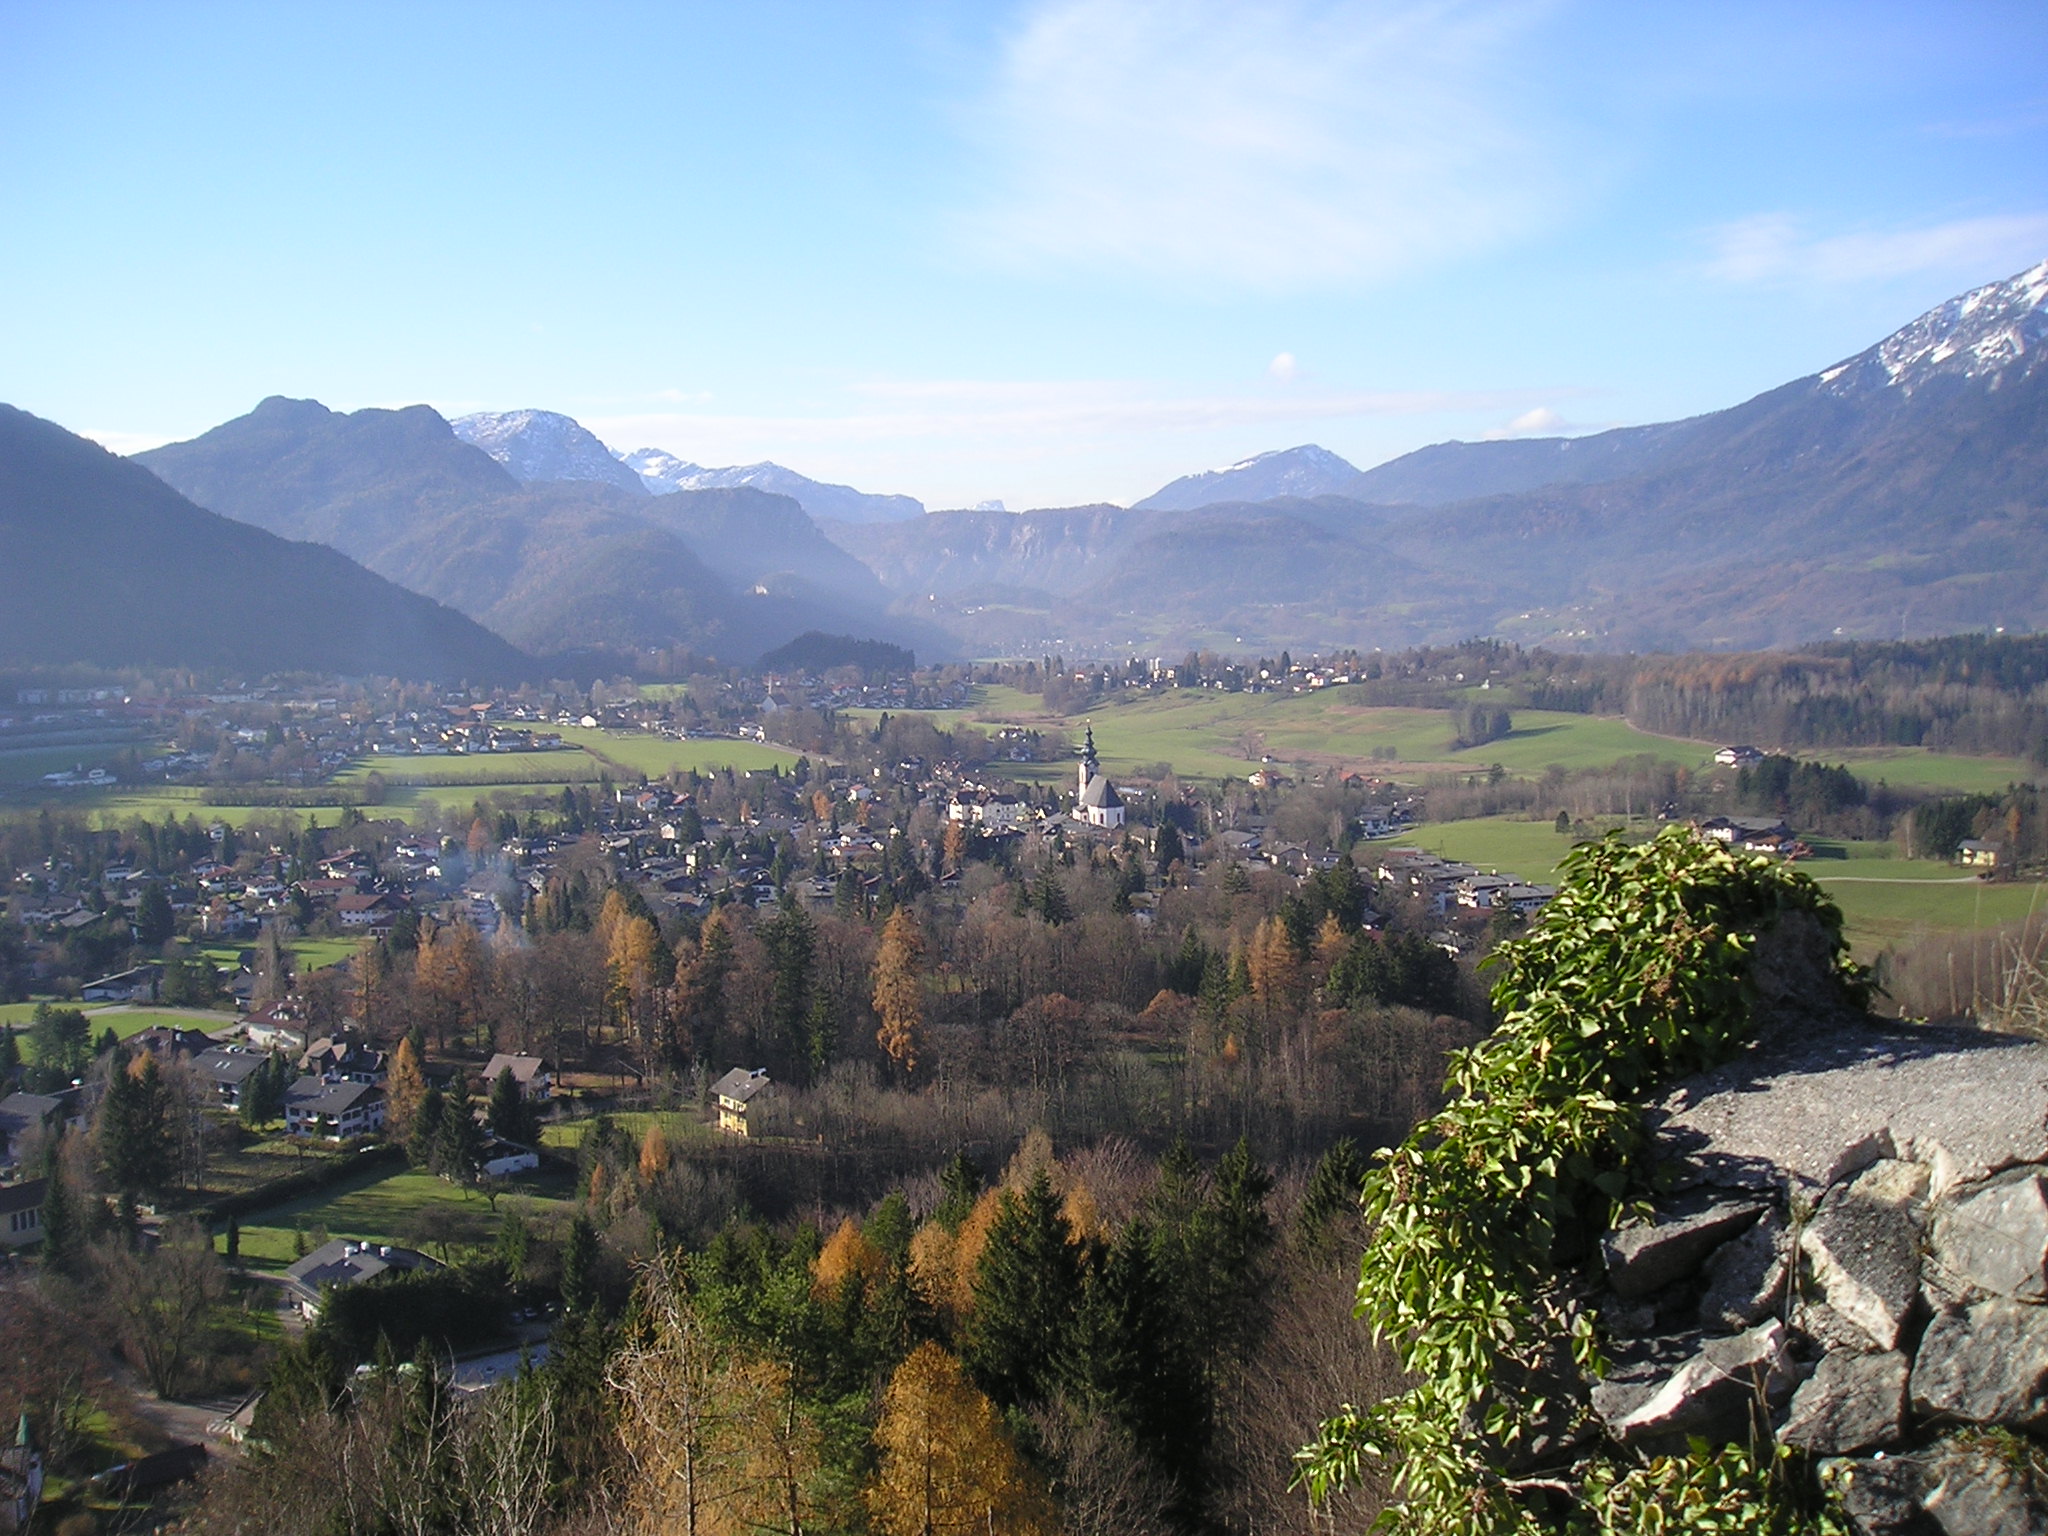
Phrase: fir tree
pixel 579 1263
pixel 134 1139
pixel 1166 847
pixel 426 1128
pixel 63 1237
pixel 1333 1191
pixel 1025 1294
pixel 510 1115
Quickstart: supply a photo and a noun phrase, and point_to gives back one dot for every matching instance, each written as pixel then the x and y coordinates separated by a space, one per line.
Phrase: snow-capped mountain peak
pixel 663 472
pixel 1984 333
pixel 1304 471
pixel 544 445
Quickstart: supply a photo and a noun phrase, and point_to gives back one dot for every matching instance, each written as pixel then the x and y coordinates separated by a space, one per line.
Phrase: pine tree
pixel 1026 1289
pixel 63 1235
pixel 458 1143
pixel 426 1129
pixel 134 1138
pixel 10 1054
pixel 1332 1193
pixel 1166 847
pixel 791 941
pixel 960 1182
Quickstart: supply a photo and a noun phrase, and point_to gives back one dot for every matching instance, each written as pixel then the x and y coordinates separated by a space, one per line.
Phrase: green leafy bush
pixel 1640 973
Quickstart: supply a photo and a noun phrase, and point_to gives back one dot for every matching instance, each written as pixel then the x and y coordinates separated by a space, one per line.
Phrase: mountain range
pixel 103 563
pixel 525 530
pixel 1902 492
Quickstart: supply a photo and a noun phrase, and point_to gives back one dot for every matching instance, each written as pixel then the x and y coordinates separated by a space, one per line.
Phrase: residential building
pixel 333 1111
pixel 536 1083
pixel 228 1068
pixel 136 986
pixel 1974 854
pixel 735 1093
pixel 347 1261
pixel 21 1213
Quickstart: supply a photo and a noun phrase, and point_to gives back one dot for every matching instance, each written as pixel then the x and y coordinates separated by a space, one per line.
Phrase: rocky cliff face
pixel 1852 1254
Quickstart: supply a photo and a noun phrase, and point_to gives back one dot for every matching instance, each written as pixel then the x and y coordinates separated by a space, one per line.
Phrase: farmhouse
pixel 735 1092
pixel 1975 854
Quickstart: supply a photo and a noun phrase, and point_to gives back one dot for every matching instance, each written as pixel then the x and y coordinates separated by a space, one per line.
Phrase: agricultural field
pixel 119 1017
pixel 385 1206
pixel 1916 768
pixel 639 753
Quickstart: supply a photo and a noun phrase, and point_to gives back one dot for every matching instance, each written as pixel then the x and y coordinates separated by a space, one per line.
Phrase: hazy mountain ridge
pixel 662 472
pixel 1903 492
pixel 1304 471
pixel 555 564
pixel 102 562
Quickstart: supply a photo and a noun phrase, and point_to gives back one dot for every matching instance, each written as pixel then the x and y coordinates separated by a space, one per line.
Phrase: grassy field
pixel 1224 735
pixel 677 1124
pixel 381 1206
pixel 1885 899
pixel 121 1019
pixel 1913 768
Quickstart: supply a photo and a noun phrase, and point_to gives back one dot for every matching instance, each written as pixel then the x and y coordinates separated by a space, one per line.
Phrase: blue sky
pixel 1048 252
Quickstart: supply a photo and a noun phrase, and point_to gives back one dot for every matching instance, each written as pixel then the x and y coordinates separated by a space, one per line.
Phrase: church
pixel 1098 803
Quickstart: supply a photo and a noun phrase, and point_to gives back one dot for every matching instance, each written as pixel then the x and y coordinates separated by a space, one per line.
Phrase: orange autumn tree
pixel 947 1468
pixel 899 990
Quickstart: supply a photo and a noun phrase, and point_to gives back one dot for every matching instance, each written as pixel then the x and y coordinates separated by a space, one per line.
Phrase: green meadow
pixel 382 1206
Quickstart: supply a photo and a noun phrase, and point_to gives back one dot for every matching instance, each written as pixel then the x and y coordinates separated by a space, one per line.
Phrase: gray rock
pixel 1833 1332
pixel 1746 1276
pixel 1881 1496
pixel 1652 1254
pixel 1996 1238
pixel 1984 1494
pixel 1816 1110
pixel 1987 1364
pixel 1720 1391
pixel 1850 1403
pixel 1865 1257
pixel 1893 1181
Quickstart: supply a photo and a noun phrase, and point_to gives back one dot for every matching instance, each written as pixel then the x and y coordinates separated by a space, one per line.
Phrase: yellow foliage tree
pixel 847 1255
pixel 947 1468
pixel 405 1085
pixel 1275 967
pixel 899 989
pixel 448 977
pixel 653 1154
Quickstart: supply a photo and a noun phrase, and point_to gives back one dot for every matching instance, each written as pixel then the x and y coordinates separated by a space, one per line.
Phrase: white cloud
pixel 1043 442
pixel 1776 248
pixel 1284 368
pixel 1540 422
pixel 1272 145
pixel 125 443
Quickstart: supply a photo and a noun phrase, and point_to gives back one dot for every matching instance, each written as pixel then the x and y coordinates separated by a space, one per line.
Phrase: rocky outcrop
pixel 1853 1259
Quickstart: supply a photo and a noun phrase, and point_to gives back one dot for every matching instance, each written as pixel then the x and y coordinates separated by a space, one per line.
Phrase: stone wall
pixel 1851 1253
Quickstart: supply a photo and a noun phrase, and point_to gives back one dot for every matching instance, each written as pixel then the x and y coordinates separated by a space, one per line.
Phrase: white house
pixel 333 1111
pixel 735 1092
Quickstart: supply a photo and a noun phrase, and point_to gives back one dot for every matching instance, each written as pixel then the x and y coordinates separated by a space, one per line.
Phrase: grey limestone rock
pixel 1865 1257
pixel 1651 1255
pixel 1815 1109
pixel 1746 1276
pixel 1982 1493
pixel 1881 1495
pixel 1996 1238
pixel 1719 1389
pixel 1852 1402
pixel 1986 1363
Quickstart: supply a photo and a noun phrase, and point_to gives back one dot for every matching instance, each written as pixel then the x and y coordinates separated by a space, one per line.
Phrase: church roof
pixel 1100 793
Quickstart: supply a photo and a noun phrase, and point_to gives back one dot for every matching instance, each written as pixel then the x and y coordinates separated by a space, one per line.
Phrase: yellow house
pixel 1978 855
pixel 735 1091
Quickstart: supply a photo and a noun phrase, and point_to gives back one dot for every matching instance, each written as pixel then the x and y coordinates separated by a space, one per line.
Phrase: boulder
pixel 1996 1238
pixel 1653 1254
pixel 1718 1389
pixel 1881 1496
pixel 1813 1110
pixel 1852 1402
pixel 1746 1277
pixel 1865 1257
pixel 1986 1363
pixel 1981 1493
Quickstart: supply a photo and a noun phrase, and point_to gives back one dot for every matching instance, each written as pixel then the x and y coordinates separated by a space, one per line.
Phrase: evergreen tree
pixel 510 1115
pixel 961 1182
pixel 579 1263
pixel 458 1143
pixel 426 1129
pixel 1166 847
pixel 1026 1290
pixel 10 1054
pixel 154 922
pixel 1333 1191
pixel 134 1138
pixel 791 940
pixel 1126 1358
pixel 63 1233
